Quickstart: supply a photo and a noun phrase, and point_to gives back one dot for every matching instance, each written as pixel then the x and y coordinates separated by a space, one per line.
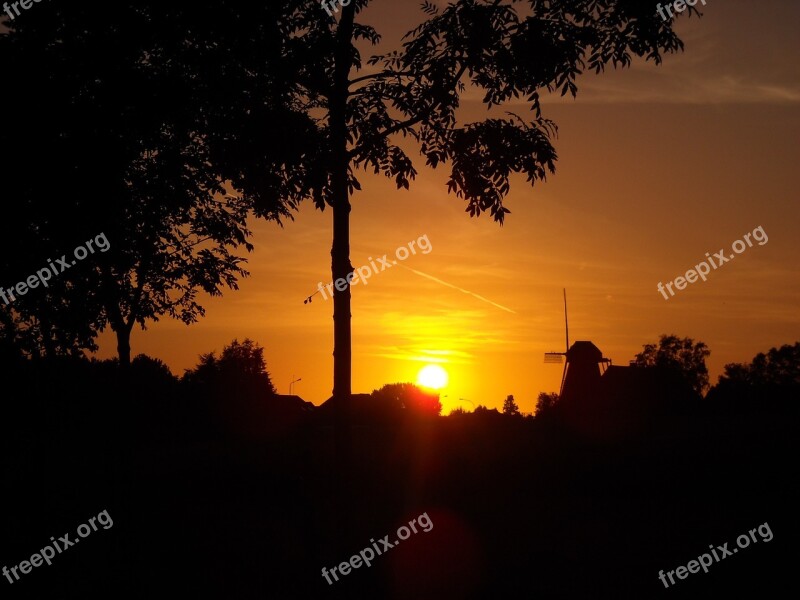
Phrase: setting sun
pixel 432 376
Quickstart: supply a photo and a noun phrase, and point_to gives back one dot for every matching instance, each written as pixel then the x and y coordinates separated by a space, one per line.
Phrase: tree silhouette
pixel 409 397
pixel 157 105
pixel 545 403
pixel 415 91
pixel 681 355
pixel 116 107
pixel 52 322
pixel 779 366
pixel 153 369
pixel 510 406
pixel 774 376
pixel 240 368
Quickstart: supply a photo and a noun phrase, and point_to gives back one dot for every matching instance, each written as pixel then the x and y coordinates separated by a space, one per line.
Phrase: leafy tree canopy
pixel 681 355
pixel 778 367
pixel 241 366
pixel 545 403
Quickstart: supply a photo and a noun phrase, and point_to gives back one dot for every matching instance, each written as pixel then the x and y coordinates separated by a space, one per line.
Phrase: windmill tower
pixel 583 366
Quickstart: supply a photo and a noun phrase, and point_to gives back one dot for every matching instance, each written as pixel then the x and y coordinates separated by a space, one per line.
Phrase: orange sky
pixel 658 165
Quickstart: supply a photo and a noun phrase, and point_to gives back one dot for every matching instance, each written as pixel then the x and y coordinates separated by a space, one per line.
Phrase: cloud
pixel 690 89
pixel 422 352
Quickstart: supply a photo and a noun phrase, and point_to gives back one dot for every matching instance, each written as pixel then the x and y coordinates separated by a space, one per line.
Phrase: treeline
pixel 234 390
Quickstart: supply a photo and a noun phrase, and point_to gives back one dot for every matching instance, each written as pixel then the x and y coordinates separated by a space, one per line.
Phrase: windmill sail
pixel 558 357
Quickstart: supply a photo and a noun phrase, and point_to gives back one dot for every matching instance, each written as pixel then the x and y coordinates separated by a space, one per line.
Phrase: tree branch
pixel 424 115
pixel 382 75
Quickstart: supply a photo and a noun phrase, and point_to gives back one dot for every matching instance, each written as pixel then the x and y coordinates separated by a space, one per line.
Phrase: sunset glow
pixel 286 285
pixel 432 376
pixel 488 299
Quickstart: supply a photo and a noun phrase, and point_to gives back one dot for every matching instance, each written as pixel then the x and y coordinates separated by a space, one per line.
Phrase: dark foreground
pixel 211 502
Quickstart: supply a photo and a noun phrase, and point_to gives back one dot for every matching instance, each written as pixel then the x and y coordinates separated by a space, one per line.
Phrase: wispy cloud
pixel 689 89
pixel 417 354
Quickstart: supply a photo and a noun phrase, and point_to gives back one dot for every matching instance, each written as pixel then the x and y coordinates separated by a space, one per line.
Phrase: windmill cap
pixel 584 351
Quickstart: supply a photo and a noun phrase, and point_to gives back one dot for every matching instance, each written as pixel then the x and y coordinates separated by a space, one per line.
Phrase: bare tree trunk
pixel 340 250
pixel 122 330
pixel 342 518
pixel 124 346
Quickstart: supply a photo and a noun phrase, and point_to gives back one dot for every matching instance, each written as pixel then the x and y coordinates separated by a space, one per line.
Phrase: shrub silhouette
pixel 409 397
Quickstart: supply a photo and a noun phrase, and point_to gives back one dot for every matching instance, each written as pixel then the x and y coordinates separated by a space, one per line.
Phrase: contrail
pixel 455 287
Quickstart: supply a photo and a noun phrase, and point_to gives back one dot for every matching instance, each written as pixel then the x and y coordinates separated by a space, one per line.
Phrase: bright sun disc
pixel 432 376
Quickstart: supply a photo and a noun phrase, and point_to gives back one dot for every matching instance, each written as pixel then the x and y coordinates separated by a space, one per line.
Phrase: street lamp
pixel 462 400
pixel 293 382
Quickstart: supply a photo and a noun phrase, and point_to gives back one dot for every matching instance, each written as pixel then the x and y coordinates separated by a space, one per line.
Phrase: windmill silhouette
pixel 582 368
